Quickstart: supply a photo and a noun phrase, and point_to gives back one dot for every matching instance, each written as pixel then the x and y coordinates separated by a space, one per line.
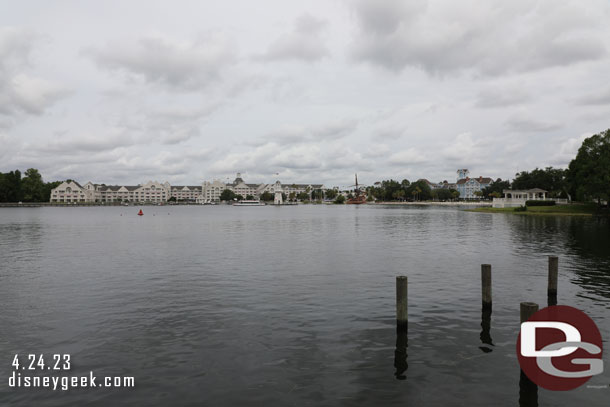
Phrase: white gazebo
pixel 515 198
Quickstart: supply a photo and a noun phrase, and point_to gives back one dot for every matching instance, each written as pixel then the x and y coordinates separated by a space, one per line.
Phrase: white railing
pixel 515 202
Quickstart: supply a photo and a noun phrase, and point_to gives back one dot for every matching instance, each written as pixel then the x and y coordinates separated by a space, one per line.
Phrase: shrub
pixel 539 203
pixel 521 209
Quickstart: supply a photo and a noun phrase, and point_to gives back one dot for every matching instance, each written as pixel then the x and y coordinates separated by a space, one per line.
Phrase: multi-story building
pixel 70 191
pixel 468 187
pixel 447 185
pixel 211 191
pixel 239 187
pixel 186 193
pixel 156 192
pixel 152 191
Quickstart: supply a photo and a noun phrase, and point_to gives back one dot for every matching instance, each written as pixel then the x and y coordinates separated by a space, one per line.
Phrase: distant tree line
pixel 391 190
pixel 29 188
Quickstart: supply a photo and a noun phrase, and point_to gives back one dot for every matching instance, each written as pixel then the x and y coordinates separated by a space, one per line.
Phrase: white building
pixel 468 187
pixel 152 191
pixel 186 193
pixel 516 198
pixel 70 191
pixel 156 192
pixel 211 191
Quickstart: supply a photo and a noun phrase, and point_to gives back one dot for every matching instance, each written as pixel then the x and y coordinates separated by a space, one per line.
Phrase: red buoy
pixel 140 213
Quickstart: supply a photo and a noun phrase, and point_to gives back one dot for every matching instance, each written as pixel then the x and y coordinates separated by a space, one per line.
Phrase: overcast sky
pixel 186 91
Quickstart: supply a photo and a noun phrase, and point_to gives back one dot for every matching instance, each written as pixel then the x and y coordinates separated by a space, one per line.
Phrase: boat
pixel 249 202
pixel 359 197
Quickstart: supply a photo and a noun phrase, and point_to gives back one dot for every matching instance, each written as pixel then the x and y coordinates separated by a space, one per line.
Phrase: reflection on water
pixel 400 354
pixel 229 306
pixel 528 391
pixel 485 331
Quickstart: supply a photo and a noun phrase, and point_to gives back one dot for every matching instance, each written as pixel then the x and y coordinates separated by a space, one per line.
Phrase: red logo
pixel 560 348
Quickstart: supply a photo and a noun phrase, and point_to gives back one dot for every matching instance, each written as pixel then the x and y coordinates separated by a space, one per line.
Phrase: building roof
pixel 427 182
pixel 480 180
pixel 533 190
pixel 191 187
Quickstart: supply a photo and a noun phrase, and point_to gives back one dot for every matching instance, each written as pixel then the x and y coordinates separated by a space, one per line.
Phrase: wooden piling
pixel 401 302
pixel 527 310
pixel 553 274
pixel 486 285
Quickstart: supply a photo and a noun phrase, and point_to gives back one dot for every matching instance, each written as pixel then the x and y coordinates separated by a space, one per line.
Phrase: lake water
pixel 266 306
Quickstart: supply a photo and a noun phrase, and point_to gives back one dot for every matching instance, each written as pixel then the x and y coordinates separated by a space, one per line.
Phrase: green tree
pixel 496 187
pixel 589 173
pixel 442 194
pixel 267 196
pixel 10 187
pixel 550 179
pixel 227 195
pixel 303 196
pixel 340 199
pixel 249 197
pixel 48 187
pixel 317 194
pixel 331 194
pixel 32 186
pixel 239 197
pixel 420 191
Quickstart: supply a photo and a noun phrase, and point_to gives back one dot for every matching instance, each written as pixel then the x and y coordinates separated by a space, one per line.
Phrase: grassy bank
pixel 561 210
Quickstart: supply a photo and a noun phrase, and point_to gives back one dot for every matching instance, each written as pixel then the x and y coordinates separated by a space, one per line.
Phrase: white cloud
pixel 407 157
pixel 20 91
pixel 186 65
pixel 567 150
pixel 490 38
pixel 525 123
pixel 305 42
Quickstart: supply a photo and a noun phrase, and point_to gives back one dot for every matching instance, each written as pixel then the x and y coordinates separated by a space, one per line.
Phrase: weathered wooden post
pixel 553 274
pixel 528 390
pixel 486 285
pixel 527 310
pixel 401 302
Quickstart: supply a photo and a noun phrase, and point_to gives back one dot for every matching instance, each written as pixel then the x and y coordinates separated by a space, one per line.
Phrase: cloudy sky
pixel 124 92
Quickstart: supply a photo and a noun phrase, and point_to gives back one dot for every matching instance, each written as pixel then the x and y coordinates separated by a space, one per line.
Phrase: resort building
pixel 70 191
pixel 468 187
pixel 211 191
pixel 186 193
pixel 152 191
pixel 239 187
pixel 156 192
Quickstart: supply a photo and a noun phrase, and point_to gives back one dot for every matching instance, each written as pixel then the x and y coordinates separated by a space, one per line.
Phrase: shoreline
pixel 559 210
pixel 428 203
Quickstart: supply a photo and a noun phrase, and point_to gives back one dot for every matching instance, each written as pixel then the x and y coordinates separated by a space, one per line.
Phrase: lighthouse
pixel 277 188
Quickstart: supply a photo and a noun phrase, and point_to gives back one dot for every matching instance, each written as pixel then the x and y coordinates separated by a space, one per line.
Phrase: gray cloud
pixel 490 38
pixel 20 91
pixel 598 98
pixel 523 123
pixel 167 104
pixel 178 65
pixel 305 42
pixel 502 97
